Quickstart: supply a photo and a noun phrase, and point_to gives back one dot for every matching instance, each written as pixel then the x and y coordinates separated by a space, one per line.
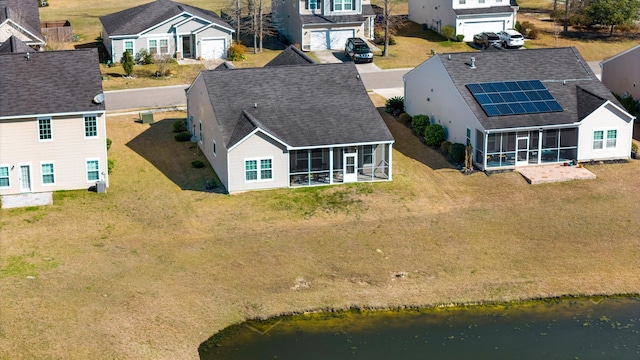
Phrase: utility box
pixel 101 187
pixel 146 117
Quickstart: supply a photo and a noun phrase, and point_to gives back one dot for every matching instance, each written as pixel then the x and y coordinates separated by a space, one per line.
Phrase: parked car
pixel 357 50
pixel 511 38
pixel 486 39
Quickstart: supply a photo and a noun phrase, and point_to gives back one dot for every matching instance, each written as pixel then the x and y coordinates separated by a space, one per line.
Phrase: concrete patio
pixel 543 174
pixel 25 200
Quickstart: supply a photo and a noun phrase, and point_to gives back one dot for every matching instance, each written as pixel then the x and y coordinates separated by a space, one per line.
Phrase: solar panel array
pixel 514 97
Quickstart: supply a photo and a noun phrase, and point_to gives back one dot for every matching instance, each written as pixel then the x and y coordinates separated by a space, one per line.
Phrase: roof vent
pixel 255 105
pixel 473 62
pixel 26 56
pixel 449 56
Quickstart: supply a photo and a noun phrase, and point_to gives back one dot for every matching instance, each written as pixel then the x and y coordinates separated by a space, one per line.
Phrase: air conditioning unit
pixel 101 187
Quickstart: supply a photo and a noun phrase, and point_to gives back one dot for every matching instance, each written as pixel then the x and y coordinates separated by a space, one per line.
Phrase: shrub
pixel 629 104
pixel 108 144
pixel 392 40
pixel 528 30
pixel 445 146
pixel 460 37
pixel 236 52
pixel 419 123
pixel 405 118
pixel 393 104
pixel 448 31
pixel 634 147
pixel 457 152
pixel 183 136
pixel 144 57
pixel 197 164
pixel 179 126
pixel 434 134
pixel 110 165
pixel 127 63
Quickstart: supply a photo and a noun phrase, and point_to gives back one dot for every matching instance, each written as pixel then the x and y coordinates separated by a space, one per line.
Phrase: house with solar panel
pixel 521 108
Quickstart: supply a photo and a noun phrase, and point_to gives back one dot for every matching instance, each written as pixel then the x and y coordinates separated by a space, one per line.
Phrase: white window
pixel 128 46
pixel 4 176
pixel 342 5
pixel 599 140
pixel 44 129
pixel 200 132
pixel 90 126
pixel 158 46
pixel 367 154
pixel 48 173
pixel 462 2
pixel 312 4
pixel 468 136
pixel 480 1
pixel 258 169
pixel 214 148
pixel 93 170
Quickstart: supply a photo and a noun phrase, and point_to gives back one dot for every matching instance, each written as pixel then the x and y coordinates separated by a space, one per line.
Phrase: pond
pixel 569 328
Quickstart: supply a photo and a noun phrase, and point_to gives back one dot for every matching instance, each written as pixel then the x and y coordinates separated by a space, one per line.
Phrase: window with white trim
pixel 90 126
pixel 214 148
pixel 258 169
pixel 153 46
pixel 313 4
pixel 599 142
pixel 128 46
pixel 200 132
pixel 93 170
pixel 480 1
pixel 4 176
pixel 44 129
pixel 462 2
pixel 158 46
pixel 468 136
pixel 367 154
pixel 48 173
pixel 342 5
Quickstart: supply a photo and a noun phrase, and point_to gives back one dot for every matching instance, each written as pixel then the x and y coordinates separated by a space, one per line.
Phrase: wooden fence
pixel 56 31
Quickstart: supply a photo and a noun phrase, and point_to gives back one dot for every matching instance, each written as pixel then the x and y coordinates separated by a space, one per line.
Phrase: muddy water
pixel 597 328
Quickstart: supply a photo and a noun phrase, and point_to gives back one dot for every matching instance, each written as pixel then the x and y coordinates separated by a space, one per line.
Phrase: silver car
pixel 511 38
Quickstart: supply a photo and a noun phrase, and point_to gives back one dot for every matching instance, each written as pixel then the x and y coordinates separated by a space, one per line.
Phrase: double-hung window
pixel 342 5
pixel 48 173
pixel 599 142
pixel 93 170
pixel 258 169
pixel 164 46
pixel 90 126
pixel 153 47
pixel 128 46
pixel 312 4
pixel 44 129
pixel 4 176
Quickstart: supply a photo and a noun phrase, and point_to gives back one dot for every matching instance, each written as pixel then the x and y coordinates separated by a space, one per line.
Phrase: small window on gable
pixel 90 126
pixel 44 129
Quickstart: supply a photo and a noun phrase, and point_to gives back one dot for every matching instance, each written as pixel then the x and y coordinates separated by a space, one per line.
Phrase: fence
pixel 56 31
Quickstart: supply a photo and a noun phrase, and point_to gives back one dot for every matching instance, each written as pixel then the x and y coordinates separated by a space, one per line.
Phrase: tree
pixel 612 12
pixel 251 18
pixel 390 24
pixel 448 31
pixel 127 63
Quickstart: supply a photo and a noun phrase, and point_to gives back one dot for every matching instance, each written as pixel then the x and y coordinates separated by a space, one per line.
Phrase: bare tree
pixel 252 18
pixel 566 16
pixel 390 23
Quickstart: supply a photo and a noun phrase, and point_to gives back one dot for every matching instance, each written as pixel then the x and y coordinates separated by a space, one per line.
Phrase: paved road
pixel 146 98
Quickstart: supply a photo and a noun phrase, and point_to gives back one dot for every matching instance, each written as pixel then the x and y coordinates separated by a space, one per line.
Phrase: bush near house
pixel 420 123
pixel 197 164
pixel 528 30
pixel 405 118
pixel 448 31
pixel 183 136
pixel 179 126
pixel 236 52
pixel 445 146
pixel 457 153
pixel 394 105
pixel 434 134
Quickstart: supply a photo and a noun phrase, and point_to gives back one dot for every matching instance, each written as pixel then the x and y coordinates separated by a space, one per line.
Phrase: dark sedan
pixel 486 39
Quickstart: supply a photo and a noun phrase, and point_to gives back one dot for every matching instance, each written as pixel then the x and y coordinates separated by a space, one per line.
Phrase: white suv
pixel 511 38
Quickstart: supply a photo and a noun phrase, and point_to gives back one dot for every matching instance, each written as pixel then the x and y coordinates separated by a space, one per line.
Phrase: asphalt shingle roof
pixel 291 56
pixel 301 105
pixel 484 10
pixel 23 12
pixel 137 19
pixel 49 82
pixel 14 45
pixel 562 70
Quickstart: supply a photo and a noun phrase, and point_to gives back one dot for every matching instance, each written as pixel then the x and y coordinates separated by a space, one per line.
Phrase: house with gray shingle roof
pixel 320 25
pixel 621 73
pixel 467 17
pixel 291 56
pixel 21 18
pixel 52 121
pixel 166 27
pixel 521 108
pixel 259 133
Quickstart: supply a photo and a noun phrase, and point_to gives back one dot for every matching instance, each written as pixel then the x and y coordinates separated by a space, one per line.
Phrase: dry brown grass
pixel 156 265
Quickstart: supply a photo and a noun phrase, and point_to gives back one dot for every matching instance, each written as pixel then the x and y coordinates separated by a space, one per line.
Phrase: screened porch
pixel 324 166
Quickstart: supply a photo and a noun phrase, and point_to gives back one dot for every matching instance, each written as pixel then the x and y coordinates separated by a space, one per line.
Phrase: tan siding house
pixel 56 142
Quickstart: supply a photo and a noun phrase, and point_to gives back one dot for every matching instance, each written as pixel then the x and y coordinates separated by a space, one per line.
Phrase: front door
pixel 25 178
pixel 186 46
pixel 350 167
pixel 522 157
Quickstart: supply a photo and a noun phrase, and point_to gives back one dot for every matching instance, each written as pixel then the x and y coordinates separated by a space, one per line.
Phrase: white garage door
pixel 471 28
pixel 330 39
pixel 212 48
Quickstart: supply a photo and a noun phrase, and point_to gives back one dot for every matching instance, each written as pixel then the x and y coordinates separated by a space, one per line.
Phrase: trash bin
pixel 101 187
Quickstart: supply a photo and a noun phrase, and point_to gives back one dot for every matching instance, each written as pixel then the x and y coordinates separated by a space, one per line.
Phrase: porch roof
pixel 301 105
pixel 328 20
